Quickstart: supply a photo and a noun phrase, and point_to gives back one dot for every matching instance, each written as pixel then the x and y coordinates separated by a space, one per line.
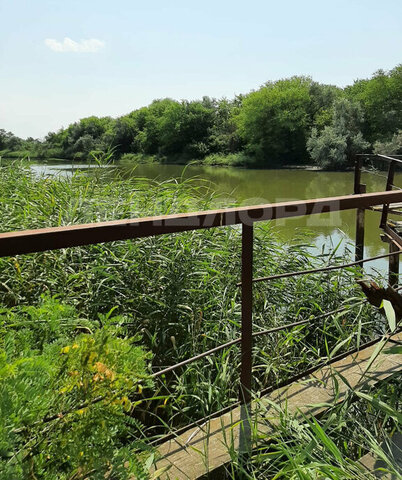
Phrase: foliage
pixel 230 160
pixel 75 399
pixel 307 448
pixel 273 121
pixel 392 146
pixel 381 99
pixel 179 291
pixel 279 124
pixel 335 147
pixel 64 393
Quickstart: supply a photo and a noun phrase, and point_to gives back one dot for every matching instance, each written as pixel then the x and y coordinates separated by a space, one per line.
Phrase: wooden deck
pixel 394 208
pixel 203 449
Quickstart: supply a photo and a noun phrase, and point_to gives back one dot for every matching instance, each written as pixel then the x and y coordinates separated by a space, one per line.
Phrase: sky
pixel 64 60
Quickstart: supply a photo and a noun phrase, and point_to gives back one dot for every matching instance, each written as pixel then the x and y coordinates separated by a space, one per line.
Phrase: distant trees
pixel 8 141
pixel 294 120
pixel 393 146
pixel 335 146
pixel 273 121
pixel 184 129
pixel 381 100
pixel 82 137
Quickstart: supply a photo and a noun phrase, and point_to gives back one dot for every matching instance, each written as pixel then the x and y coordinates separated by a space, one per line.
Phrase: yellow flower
pixel 65 349
pixel 126 403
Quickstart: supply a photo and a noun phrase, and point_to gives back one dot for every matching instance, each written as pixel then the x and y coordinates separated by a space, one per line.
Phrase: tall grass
pixel 178 292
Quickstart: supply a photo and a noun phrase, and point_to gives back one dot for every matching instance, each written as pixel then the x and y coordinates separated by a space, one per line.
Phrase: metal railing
pixel 394 240
pixel 30 241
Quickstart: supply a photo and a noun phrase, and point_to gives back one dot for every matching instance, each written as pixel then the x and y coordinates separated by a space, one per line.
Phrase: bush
pixel 138 158
pixel 335 147
pixel 65 395
pixel 392 146
pixel 231 160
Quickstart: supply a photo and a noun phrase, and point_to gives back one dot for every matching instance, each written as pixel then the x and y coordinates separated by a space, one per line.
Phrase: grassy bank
pixel 73 321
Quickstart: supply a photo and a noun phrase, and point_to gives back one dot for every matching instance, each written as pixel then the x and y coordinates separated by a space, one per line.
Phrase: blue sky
pixel 121 54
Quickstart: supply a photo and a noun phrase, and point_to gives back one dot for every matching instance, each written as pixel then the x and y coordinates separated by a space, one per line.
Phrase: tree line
pixel 291 121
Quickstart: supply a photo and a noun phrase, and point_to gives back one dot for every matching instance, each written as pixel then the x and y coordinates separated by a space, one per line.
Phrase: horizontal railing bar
pixel 300 322
pixel 383 157
pixel 29 241
pixel 238 340
pixel 323 269
pixel 196 357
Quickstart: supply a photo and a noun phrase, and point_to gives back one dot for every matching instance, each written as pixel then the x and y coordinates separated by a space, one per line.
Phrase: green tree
pixel 273 121
pixel 9 141
pixel 392 146
pixel 381 99
pixel 184 129
pixel 335 146
pixel 223 134
pixel 122 134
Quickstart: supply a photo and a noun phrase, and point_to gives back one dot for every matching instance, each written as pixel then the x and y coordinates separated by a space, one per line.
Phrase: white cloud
pixel 68 45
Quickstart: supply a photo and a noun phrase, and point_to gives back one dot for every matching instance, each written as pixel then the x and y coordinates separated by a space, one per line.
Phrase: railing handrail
pixel 55 238
pixel 388 158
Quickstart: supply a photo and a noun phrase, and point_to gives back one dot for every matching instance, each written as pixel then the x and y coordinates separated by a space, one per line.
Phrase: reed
pixel 177 295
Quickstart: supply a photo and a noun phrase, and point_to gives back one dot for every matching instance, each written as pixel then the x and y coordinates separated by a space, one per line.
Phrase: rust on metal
pixel 390 181
pixel 359 242
pixel 246 313
pixel 325 269
pixel 393 271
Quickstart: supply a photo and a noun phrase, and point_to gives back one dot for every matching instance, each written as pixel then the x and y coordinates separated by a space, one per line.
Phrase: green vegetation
pixel 64 387
pixel 304 448
pixel 338 142
pixel 290 121
pixel 81 330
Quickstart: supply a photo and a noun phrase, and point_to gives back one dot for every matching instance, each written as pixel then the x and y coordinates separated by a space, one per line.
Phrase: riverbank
pixel 239 160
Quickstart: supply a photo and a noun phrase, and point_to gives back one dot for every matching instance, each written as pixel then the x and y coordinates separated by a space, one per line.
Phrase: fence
pixel 394 240
pixel 30 241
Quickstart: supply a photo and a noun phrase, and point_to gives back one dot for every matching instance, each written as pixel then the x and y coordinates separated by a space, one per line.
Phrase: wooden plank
pixel 203 449
pixel 29 241
pixel 394 209
pixel 377 466
pixel 390 231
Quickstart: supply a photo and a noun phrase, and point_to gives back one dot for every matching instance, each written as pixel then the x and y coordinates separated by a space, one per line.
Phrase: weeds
pixel 178 293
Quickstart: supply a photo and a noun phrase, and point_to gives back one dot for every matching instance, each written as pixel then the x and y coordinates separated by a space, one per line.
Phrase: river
pixel 251 187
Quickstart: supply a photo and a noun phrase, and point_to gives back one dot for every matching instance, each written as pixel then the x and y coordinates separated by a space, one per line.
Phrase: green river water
pixel 251 187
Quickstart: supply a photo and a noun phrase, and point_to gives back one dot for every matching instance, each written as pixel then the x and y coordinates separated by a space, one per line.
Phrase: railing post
pixel 390 181
pixel 246 313
pixel 358 173
pixel 360 215
pixel 393 266
pixel 359 188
